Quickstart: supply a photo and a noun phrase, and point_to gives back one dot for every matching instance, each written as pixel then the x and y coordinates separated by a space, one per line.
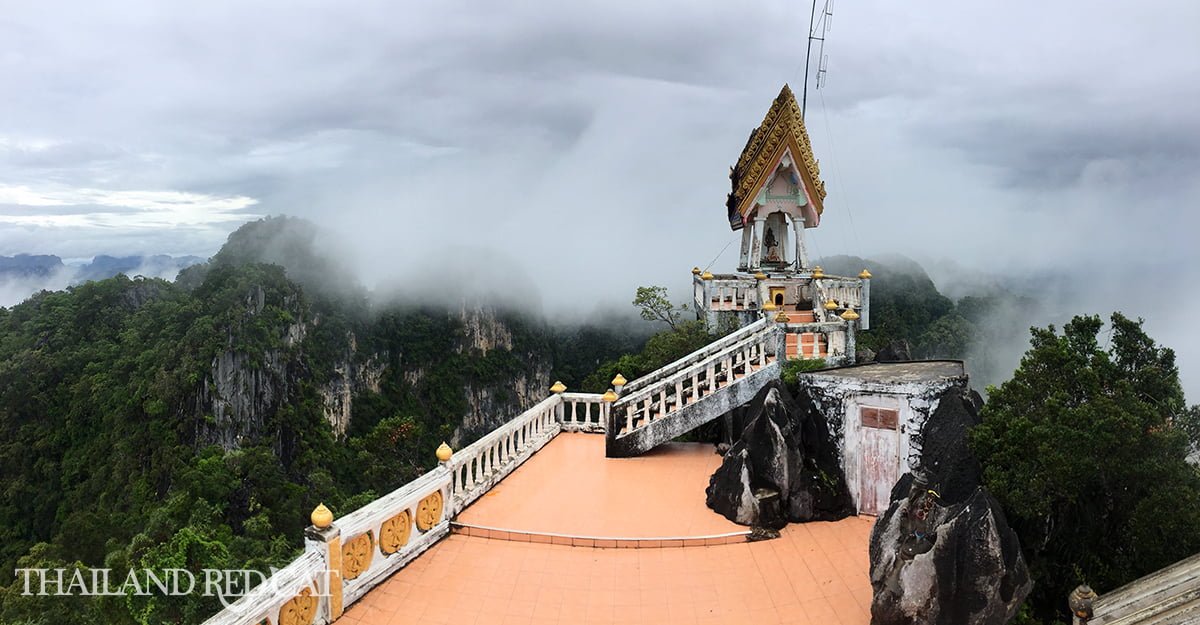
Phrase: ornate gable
pixel 782 129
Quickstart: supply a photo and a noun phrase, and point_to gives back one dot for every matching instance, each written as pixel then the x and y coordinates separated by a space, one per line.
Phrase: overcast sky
pixel 583 147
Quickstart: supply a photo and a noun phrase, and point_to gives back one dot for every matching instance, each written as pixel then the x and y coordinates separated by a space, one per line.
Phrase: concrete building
pixel 876 413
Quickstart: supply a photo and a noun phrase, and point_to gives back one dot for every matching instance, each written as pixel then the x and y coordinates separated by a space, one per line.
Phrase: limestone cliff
pixel 277 351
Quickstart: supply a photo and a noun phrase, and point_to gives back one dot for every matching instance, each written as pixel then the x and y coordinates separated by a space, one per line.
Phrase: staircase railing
pixel 696 376
pixel 696 356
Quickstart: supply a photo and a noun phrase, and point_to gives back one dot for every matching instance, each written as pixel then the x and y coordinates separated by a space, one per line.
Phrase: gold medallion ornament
pixel 429 511
pixel 356 556
pixel 394 533
pixel 299 610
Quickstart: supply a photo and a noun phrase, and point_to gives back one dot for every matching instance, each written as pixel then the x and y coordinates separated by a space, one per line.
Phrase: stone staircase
pixel 1169 596
pixel 694 390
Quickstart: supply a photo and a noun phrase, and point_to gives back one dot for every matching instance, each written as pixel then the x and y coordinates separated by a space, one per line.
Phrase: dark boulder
pixel 896 351
pixel 945 452
pixel 943 552
pixel 864 355
pixel 783 467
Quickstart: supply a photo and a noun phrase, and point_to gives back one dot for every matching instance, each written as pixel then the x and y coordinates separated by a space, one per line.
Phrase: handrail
pixel 700 354
pixel 376 540
pixel 480 465
pixel 594 415
pixel 292 583
pixel 744 354
pixel 684 372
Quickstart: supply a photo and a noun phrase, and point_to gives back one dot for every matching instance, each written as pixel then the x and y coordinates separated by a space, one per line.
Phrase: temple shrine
pixel 776 195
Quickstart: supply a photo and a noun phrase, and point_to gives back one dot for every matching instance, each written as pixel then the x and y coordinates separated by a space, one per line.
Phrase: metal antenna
pixel 817 27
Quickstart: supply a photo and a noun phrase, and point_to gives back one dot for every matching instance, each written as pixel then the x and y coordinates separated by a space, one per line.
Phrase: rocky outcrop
pixel 896 351
pixel 352 374
pixel 482 331
pixel 783 467
pixel 943 553
pixel 490 406
pixel 243 389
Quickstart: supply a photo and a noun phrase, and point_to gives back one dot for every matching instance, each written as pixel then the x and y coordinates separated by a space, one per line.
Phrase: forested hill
pixel 150 424
pixel 989 327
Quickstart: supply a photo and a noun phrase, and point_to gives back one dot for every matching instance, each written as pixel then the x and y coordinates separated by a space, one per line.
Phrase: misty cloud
pixel 588 143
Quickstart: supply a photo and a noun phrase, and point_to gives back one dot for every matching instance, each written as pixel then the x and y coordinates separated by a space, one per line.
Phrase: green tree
pixel 655 305
pixel 661 349
pixel 948 337
pixel 1083 450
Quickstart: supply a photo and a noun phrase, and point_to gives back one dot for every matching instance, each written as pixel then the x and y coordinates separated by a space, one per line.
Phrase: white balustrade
pixel 730 294
pixel 381 537
pixel 480 465
pixel 583 412
pixel 298 582
pixel 699 355
pixel 695 377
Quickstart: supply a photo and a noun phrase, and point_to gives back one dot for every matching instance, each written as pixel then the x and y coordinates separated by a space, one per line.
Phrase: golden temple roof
pixel 782 128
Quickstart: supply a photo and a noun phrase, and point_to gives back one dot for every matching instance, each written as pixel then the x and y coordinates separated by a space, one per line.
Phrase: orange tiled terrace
pixel 574 537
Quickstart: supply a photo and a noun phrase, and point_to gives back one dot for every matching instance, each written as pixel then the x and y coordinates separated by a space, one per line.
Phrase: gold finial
pixel 782 317
pixel 558 387
pixel 818 272
pixel 1082 601
pixel 760 276
pixel 619 380
pixel 609 396
pixel 864 274
pixel 769 305
pixel 849 315
pixel 444 452
pixel 695 271
pixel 706 275
pixel 321 517
pixel 831 305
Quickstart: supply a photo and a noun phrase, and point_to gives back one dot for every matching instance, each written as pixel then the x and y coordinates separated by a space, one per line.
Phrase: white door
pixel 879 459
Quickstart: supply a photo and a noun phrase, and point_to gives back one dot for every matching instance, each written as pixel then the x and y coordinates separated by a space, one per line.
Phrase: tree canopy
pixel 655 305
pixel 1085 449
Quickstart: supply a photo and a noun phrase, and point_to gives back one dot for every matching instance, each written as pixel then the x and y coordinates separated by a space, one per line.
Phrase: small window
pixel 882 418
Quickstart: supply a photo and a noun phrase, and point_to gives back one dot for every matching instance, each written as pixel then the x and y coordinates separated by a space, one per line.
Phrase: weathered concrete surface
pixel 912 388
pixel 783 468
pixel 949 559
pixel 892 373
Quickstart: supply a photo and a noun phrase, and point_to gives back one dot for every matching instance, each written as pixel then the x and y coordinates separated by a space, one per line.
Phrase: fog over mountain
pixel 24 274
pixel 577 150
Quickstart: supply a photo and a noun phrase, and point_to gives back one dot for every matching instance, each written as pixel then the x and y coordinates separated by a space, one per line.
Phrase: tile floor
pixel 569 487
pixel 815 573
